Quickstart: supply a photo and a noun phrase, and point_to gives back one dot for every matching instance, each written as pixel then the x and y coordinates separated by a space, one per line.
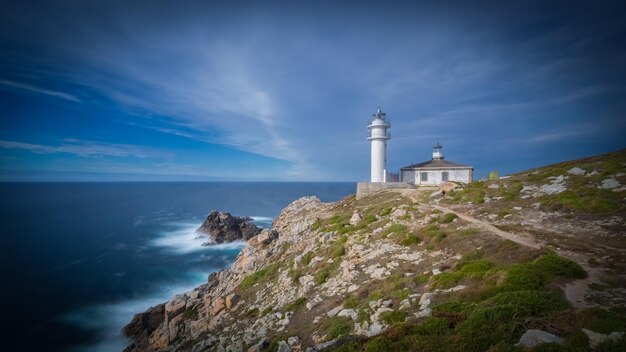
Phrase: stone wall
pixel 366 188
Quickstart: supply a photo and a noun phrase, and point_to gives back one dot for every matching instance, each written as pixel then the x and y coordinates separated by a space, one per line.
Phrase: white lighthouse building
pixel 378 136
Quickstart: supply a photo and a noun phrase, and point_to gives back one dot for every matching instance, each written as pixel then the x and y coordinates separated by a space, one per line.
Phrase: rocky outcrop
pixel 223 227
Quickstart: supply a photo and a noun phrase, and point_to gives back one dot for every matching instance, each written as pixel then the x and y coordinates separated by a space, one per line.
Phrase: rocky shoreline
pixel 402 268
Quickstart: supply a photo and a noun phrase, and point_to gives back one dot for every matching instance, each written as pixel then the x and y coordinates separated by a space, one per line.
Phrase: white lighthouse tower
pixel 378 136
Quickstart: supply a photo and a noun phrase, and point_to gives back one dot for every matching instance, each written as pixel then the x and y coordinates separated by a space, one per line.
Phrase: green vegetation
pixel 499 306
pixel 410 239
pixel 397 229
pixel 351 302
pixel 259 275
pixel 306 258
pixel 191 314
pixel 296 304
pixel 322 276
pixel 469 232
pixel 336 327
pixel 402 294
pixel 375 296
pixel 385 211
pixel 447 218
pixel 251 313
pixel 393 317
pixel 434 232
pixel 267 311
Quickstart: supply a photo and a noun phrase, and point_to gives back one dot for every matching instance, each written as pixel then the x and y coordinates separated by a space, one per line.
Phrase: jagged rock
pixel 293 341
pixel 348 313
pixel 447 187
pixel 556 186
pixel 284 347
pixel 331 313
pixel 493 186
pixel 223 227
pixel 425 313
pixel 596 338
pixel 356 217
pixel 217 306
pixel 576 171
pixel 533 337
pixel 267 236
pixel 143 324
pixel 231 300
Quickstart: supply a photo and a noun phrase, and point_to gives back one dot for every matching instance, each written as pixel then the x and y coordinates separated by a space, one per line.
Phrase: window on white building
pixel 444 176
pixel 424 176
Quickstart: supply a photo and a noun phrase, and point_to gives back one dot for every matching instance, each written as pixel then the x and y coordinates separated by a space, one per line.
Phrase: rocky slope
pixel 414 270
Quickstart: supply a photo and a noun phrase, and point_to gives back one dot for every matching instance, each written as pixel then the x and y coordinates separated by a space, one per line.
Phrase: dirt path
pixel 575 291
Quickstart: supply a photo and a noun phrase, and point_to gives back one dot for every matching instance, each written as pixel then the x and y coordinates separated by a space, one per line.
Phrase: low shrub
pixel 393 317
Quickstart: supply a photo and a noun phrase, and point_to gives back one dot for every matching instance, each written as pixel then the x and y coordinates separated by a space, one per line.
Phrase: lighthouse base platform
pixel 366 188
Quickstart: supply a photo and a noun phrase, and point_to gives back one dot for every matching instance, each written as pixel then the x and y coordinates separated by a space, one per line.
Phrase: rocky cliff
pixel 415 270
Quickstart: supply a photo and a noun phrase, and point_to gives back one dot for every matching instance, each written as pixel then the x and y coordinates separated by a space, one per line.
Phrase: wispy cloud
pixel 84 149
pixel 32 89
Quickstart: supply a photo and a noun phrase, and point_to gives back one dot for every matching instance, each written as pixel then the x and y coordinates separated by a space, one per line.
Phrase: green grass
pixel 393 317
pixel 402 294
pixel 259 275
pixel 433 231
pixel 469 232
pixel 306 258
pixel 267 311
pixel 322 276
pixel 410 240
pixel 398 229
pixel 351 302
pixel 191 314
pixel 385 212
pixel 336 327
pixel 296 304
pixel 375 296
pixel 447 218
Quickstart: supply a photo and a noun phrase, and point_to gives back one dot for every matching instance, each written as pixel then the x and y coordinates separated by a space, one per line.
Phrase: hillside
pixel 539 255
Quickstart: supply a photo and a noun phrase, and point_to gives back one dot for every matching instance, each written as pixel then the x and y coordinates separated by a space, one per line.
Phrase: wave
pixel 109 318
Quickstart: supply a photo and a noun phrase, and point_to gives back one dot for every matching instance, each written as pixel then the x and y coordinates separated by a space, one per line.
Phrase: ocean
pixel 80 259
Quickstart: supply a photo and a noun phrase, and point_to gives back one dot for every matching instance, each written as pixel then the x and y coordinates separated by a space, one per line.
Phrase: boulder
pixel 231 300
pixel 533 337
pixel 356 217
pixel 284 347
pixel 576 171
pixel 447 187
pixel 610 183
pixel 223 227
pixel 217 306
pixel 596 338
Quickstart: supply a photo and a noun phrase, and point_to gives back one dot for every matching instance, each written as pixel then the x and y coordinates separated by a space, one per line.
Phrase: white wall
pixel 378 160
pixel 434 176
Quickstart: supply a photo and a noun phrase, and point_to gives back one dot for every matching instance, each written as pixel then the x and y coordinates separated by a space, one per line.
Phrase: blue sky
pixel 199 90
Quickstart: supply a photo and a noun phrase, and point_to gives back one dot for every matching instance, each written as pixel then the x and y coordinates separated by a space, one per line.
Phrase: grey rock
pixel 576 171
pixel 610 183
pixel 284 347
pixel 533 337
pixel 596 338
pixel 223 227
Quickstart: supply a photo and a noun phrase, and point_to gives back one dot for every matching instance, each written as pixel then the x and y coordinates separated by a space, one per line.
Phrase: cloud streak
pixel 84 149
pixel 32 89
